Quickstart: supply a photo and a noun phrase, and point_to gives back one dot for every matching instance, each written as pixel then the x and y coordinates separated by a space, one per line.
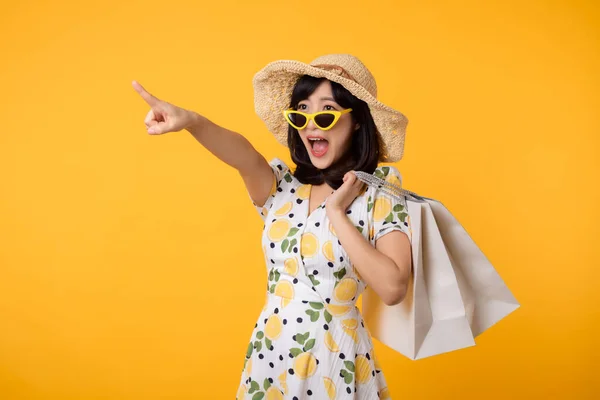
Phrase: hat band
pixel 336 69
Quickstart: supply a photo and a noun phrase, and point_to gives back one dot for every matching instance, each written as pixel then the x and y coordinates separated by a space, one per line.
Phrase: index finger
pixel 151 100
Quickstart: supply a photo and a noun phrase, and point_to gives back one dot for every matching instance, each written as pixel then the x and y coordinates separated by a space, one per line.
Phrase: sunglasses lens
pixel 297 119
pixel 324 120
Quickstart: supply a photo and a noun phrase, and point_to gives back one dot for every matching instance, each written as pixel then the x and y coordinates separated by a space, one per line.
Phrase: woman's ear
pixel 356 127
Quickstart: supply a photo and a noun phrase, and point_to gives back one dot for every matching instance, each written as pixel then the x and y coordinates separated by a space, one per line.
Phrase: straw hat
pixel 273 91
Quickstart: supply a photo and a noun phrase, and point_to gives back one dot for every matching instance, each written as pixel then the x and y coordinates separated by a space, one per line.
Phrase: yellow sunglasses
pixel 324 120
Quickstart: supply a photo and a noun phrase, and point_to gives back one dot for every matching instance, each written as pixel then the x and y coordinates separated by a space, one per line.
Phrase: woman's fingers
pixel 148 98
pixel 150 118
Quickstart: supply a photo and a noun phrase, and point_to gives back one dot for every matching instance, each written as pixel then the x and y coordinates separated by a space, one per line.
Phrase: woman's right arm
pixel 228 146
pixel 236 151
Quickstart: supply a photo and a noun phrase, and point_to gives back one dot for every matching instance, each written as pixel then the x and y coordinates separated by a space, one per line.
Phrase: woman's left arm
pixel 385 267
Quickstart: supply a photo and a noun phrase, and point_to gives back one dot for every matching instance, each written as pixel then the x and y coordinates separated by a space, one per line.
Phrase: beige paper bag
pixel 454 291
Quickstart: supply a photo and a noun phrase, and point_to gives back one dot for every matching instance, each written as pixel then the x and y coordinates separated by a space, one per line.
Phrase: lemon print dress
pixel 310 340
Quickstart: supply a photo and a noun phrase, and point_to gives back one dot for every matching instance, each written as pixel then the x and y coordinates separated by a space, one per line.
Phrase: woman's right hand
pixel 164 117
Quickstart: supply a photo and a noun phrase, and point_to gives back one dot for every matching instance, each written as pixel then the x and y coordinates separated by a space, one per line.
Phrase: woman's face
pixel 337 139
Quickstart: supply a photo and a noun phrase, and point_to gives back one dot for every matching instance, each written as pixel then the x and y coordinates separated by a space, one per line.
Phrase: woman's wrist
pixel 196 123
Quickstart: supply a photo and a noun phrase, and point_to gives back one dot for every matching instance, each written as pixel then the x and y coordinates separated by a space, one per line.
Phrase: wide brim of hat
pixel 273 87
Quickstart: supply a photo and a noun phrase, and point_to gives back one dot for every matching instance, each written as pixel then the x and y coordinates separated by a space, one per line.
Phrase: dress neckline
pixel 322 205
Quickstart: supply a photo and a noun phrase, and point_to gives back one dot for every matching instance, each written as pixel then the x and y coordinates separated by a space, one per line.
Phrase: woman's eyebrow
pixel 328 98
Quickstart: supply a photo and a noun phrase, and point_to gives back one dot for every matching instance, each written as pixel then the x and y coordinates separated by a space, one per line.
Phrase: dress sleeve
pixel 280 169
pixel 388 214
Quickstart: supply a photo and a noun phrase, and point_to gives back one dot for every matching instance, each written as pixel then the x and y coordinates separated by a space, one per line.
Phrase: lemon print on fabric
pixel 328 250
pixel 352 333
pixel 329 387
pixel 363 369
pixel 285 290
pixel 249 367
pixel 283 210
pixel 282 382
pixel 349 326
pixel 291 266
pixel 309 244
pixel 278 230
pixel 381 209
pixel 273 327
pixel 345 290
pixel 305 365
pixel 331 229
pixel 330 343
pixel 350 323
pixel 393 179
pixel 241 392
pixel 303 192
pixel 274 393
pixel 338 310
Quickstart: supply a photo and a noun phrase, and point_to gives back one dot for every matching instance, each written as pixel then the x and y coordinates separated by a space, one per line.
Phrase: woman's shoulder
pixel 389 173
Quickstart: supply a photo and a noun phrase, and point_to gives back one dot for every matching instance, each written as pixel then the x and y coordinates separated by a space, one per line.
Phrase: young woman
pixel 326 235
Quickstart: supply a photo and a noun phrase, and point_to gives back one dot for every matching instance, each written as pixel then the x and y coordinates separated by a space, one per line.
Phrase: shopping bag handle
pixel 389 188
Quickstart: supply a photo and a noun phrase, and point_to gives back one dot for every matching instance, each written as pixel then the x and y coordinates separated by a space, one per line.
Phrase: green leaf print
pixel 266 384
pixel 284 245
pixel 314 280
pixel 272 288
pixel 258 396
pixel 258 345
pixel 287 177
pixel 259 335
pixel 369 206
pixel 268 343
pixel 398 207
pixel 249 351
pixel 349 365
pixel 277 275
pixel 348 379
pixel 341 273
pixel 359 228
pixel 271 274
pixel 389 218
pixel 295 351
pixel 316 305
pixel 386 170
pixel 292 244
pixel 293 231
pixel 378 174
pixel 253 387
pixel 343 372
pixel 327 316
pixel 301 338
pixel 402 216
pixel 309 345
pixel 315 316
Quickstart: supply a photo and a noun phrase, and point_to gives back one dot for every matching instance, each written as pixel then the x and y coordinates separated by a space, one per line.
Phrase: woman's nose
pixel 311 125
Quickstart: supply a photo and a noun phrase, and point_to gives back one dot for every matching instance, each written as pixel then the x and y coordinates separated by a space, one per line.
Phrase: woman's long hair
pixel 363 154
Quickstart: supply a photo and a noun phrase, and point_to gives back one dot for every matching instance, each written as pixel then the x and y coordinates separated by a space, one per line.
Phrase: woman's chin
pixel 321 162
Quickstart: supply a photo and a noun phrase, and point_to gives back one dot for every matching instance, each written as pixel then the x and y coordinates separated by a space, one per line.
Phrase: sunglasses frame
pixel 336 116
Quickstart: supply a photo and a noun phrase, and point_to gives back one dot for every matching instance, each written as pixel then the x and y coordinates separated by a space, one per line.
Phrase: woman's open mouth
pixel 318 146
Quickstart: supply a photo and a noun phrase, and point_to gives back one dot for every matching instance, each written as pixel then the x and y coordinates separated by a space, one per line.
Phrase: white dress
pixel 310 340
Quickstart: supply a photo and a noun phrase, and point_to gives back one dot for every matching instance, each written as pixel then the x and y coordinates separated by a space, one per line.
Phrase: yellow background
pixel 131 265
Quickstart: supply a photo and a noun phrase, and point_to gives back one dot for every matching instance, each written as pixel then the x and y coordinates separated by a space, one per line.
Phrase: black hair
pixel 363 154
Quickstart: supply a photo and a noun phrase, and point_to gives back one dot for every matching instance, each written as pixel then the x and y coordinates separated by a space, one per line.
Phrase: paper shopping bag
pixel 454 292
